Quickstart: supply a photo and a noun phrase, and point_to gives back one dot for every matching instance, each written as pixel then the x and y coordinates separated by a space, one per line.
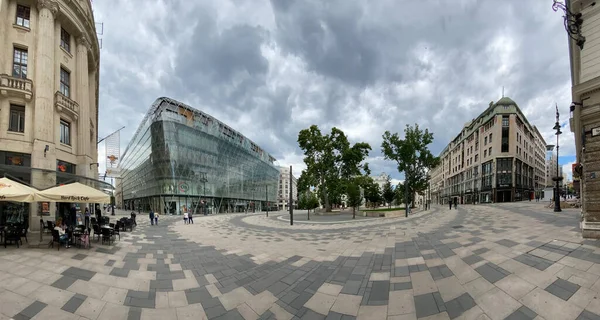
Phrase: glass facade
pixel 183 160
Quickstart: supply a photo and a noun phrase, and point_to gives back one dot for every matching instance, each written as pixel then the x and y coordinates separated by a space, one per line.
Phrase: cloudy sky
pixel 271 68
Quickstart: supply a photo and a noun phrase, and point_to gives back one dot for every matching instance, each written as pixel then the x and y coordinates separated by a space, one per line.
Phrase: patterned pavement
pixel 501 261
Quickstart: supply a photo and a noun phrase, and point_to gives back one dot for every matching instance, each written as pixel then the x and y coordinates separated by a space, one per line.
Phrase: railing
pixel 63 101
pixel 16 84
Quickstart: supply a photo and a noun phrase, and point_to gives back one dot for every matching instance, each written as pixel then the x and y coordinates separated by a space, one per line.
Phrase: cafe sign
pixel 74 198
pixel 595 131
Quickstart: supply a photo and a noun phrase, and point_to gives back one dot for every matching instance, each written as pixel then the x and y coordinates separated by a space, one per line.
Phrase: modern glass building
pixel 182 159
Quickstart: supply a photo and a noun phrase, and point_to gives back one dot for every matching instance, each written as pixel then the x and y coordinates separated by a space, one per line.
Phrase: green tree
pixel 388 193
pixel 411 155
pixel 302 201
pixel 331 161
pixel 354 197
pixel 372 192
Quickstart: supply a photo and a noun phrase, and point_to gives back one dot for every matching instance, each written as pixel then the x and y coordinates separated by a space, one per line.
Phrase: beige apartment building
pixel 497 157
pixel 283 193
pixel 49 68
pixel 585 109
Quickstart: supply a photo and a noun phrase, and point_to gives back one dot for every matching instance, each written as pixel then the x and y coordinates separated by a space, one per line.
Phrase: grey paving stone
pixel 567 285
pixel 425 305
pixel 134 314
pixel 64 282
pixel 587 315
pixel 119 272
pixel 492 272
pixel 458 306
pixel 73 304
pixel 231 315
pixel 402 286
pixel 507 243
pixel 311 315
pixel 79 273
pixel 559 291
pixel 110 263
pixel 79 256
pixel 161 284
pixel 334 316
pixel 440 272
pixel 472 259
pixel 522 313
pixel 481 250
pixel 351 287
pixel 300 300
pixel 31 310
pixel 533 261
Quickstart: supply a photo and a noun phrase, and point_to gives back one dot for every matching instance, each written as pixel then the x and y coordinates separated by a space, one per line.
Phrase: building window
pixel 20 63
pixel 484 141
pixel 490 138
pixel 23 13
pixel 65 132
pixel 490 151
pixel 17 118
pixel 484 153
pixel 65 40
pixel 505 121
pixel 476 157
pixel 63 166
pixel 65 82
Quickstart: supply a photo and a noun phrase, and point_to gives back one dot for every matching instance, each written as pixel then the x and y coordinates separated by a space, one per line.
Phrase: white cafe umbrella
pixel 13 191
pixel 74 193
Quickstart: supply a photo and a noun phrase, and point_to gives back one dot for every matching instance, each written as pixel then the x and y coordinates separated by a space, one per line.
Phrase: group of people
pixel 187 218
pixel 455 202
pixel 153 217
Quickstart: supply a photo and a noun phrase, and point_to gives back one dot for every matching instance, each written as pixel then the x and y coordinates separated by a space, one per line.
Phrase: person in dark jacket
pixel 151 217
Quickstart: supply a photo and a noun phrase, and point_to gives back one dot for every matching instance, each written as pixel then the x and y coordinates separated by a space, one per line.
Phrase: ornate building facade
pixel 585 109
pixel 49 72
pixel 497 157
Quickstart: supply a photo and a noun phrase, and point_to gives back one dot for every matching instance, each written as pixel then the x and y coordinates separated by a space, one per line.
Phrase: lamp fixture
pixel 46 149
pixel 572 22
pixel 94 163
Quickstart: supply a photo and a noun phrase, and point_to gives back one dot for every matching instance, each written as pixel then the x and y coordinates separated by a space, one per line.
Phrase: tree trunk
pixel 326 204
pixel 353 212
pixel 308 214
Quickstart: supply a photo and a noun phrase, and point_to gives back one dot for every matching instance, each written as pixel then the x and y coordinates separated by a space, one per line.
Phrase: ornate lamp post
pixel 558 178
pixel 572 22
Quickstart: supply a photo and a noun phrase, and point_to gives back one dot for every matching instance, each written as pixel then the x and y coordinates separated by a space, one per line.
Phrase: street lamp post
pixel 558 178
pixel 203 179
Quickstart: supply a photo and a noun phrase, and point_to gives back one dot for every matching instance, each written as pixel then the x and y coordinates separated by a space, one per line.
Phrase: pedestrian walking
pixel 185 217
pixel 190 219
pixel 151 217
pixel 455 203
pixel 450 203
pixel 156 219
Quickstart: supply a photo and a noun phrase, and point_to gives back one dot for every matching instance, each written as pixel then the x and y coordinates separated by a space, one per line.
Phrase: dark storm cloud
pixel 270 69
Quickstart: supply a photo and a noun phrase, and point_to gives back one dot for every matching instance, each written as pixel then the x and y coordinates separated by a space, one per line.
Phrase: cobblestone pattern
pixel 503 261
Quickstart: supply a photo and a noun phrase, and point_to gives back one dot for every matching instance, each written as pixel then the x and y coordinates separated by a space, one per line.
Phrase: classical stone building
pixel 49 62
pixel 585 110
pixel 496 157
pixel 283 195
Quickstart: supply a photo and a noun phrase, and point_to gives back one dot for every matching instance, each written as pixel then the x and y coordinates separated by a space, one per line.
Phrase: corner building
pixel 183 160
pixel 49 69
pixel 585 113
pixel 497 157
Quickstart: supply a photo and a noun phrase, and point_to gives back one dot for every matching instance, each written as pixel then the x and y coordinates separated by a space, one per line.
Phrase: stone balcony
pixel 16 87
pixel 65 105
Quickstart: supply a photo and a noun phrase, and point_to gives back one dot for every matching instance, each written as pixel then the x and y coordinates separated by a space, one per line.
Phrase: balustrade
pixel 12 86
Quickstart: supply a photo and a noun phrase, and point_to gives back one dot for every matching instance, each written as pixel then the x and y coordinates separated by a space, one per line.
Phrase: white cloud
pixel 272 68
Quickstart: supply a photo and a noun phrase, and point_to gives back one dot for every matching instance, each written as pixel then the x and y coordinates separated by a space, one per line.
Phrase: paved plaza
pixel 501 261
